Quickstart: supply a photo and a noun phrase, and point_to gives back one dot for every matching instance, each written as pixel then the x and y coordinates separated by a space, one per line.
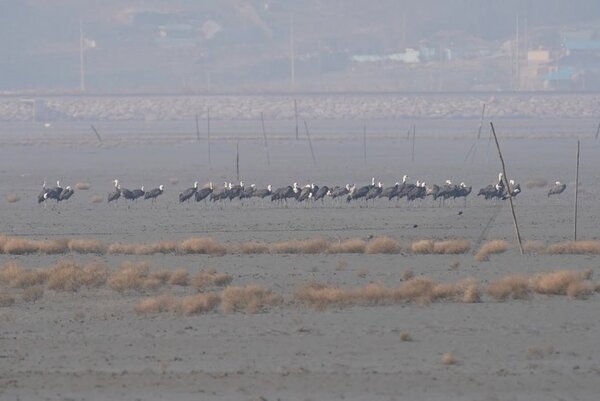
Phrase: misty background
pixel 186 46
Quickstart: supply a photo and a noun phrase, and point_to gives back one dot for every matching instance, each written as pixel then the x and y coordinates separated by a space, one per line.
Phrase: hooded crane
pixel 263 193
pixel 361 192
pixel 203 193
pixel 42 195
pixel 116 194
pixel 188 193
pixel 54 193
pixel 65 194
pixel 127 194
pixel 138 193
pixel 320 193
pixel 154 193
pixel 514 190
pixel 557 188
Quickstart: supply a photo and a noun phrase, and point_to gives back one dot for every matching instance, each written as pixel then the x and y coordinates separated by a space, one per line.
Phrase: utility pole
pixel 292 54
pixel 81 67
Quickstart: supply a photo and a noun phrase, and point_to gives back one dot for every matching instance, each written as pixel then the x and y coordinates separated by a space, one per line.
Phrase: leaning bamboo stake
pixel 365 143
pixel 512 207
pixel 97 134
pixel 296 116
pixel 576 192
pixel 414 133
pixel 237 160
pixel 598 131
pixel 197 128
pixel 312 152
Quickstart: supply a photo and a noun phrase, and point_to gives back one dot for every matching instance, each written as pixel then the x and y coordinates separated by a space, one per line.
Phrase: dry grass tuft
pixel 202 245
pixel 32 294
pixel 312 246
pixel 536 183
pixel 156 247
pixel 161 303
pixel 96 199
pixel 250 299
pixel 180 277
pixel 19 246
pixel 130 276
pixel 199 303
pixel 471 292
pixel 95 274
pixel 513 286
pixel 452 247
pixel 449 359
pixel 423 246
pixel 12 198
pixel 253 247
pixel 444 291
pixel 574 248
pixel 65 275
pixel 533 247
pixel 495 246
pixel 16 276
pixel 579 289
pixel 418 289
pixel 53 246
pixel 383 245
pixel 6 300
pixel 82 185
pixel 353 245
pixel 320 296
pixel 86 246
pixel 211 277
pixel 405 337
pixel 554 283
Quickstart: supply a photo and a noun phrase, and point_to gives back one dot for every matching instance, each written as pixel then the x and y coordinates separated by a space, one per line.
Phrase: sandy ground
pixel 90 345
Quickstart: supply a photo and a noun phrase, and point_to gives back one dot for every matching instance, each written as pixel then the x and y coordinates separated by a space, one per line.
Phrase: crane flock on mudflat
pixel 309 192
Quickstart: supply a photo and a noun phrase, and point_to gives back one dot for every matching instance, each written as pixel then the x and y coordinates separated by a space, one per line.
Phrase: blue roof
pixel 563 74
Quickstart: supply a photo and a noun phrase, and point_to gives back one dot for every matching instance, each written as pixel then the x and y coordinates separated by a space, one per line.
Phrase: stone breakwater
pixel 332 107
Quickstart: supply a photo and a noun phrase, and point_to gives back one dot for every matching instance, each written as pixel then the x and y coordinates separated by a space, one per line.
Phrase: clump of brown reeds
pixel 210 277
pixel 180 277
pixel 490 247
pixel 312 246
pixel 65 275
pixel 158 304
pixel 12 198
pixel 86 246
pixel 16 276
pixel 202 245
pixel 254 247
pixel 352 245
pixel 6 300
pixel 320 296
pixel 129 276
pixel 383 245
pixel 536 183
pixel 448 247
pixel 470 290
pixel 249 299
pixel 449 358
pixel 95 274
pixel 575 247
pixel 122 249
pixel 19 246
pixel 513 286
pixel 417 289
pixel 200 303
pixel 156 247
pixel 561 282
pixel 32 294
pixel 82 185
pixel 96 199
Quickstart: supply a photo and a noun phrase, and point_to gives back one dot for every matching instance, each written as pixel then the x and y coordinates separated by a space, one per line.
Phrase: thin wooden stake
pixel 576 192
pixel 414 134
pixel 365 143
pixel 208 135
pixel 97 134
pixel 312 152
pixel 262 119
pixel 598 131
pixel 481 122
pixel 197 128
pixel 512 207
pixel 296 116
pixel 237 160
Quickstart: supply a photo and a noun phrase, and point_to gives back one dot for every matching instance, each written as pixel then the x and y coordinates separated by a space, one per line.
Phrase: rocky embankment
pixel 345 107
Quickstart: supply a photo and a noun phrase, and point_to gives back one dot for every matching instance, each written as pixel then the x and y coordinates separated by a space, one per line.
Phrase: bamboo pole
pixel 262 120
pixel 512 207
pixel 481 122
pixel 97 134
pixel 576 192
pixel 598 131
pixel 312 152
